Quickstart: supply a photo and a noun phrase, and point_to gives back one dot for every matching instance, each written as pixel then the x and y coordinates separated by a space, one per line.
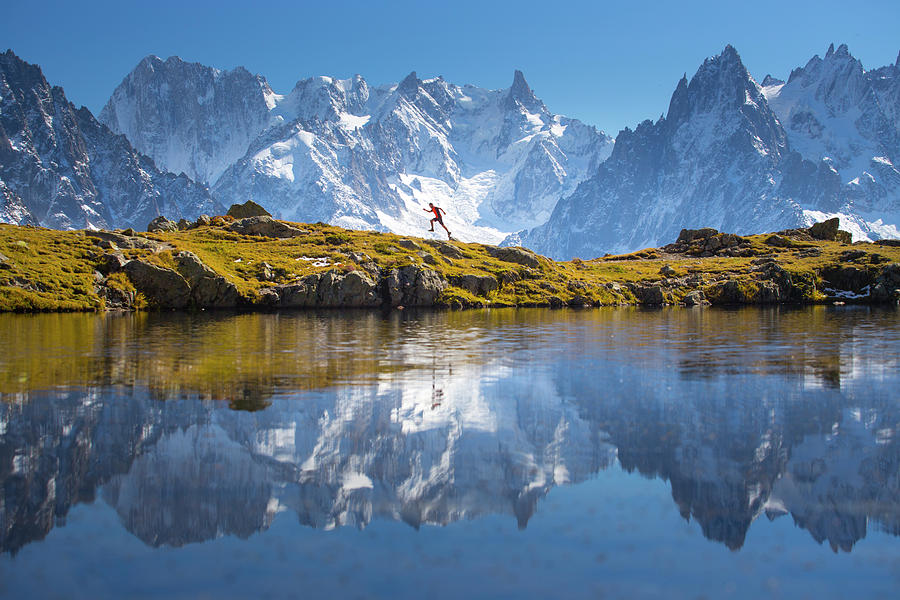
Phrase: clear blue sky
pixel 611 64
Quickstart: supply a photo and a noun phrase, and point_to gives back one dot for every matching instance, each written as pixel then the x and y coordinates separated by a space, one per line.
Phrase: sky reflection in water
pixel 231 452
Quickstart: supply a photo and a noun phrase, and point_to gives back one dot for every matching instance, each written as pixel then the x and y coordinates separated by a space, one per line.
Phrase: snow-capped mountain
pixel 715 160
pixel 61 168
pixel 741 157
pixel 337 150
pixel 187 117
pixel 846 120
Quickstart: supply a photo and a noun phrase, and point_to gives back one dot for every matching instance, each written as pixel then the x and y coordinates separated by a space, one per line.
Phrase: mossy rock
pixel 247 209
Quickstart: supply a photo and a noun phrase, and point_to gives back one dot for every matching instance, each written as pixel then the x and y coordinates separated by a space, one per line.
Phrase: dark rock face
pixel 412 286
pixel 162 287
pixel 326 290
pixel 829 230
pixel 247 209
pixel 480 285
pixel 208 289
pixel 265 226
pixel 68 171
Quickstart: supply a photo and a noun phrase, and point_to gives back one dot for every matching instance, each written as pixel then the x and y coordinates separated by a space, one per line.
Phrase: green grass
pixel 54 270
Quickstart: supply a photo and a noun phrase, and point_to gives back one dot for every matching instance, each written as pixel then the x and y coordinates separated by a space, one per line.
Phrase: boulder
pixel 829 231
pixel 348 290
pixel 247 209
pixel 446 248
pixel 265 226
pixel 112 263
pixel 202 221
pixel 887 284
pixel 208 288
pixel 412 286
pixel 689 235
pixel 667 271
pixel 162 287
pixel 332 289
pixel 183 224
pixel 123 240
pixel 4 262
pixel 847 278
pixel 479 285
pixel 649 294
pixel 408 244
pixel 778 241
pixel 695 298
pixel 515 255
pixel 427 258
pixel 161 223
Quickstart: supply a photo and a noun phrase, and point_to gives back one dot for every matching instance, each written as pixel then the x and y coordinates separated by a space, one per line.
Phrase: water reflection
pixel 436 417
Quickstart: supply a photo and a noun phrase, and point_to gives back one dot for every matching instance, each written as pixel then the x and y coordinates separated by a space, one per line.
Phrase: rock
pixel 183 224
pixel 555 302
pixel 247 209
pixel 332 289
pixel 446 248
pixel 162 287
pixel 479 285
pixel 5 262
pixel 887 284
pixel 847 278
pixel 829 231
pixel 731 292
pixel 208 288
pixel 650 294
pixel 695 298
pixel 768 293
pixel 265 226
pixel 412 286
pixel 114 298
pixel 778 241
pixel 269 297
pixel 161 223
pixel 668 271
pixel 689 235
pixel 408 244
pixel 120 240
pixel 112 263
pixel 202 221
pixel 887 242
pixel 519 256
pixel 129 232
pixel 428 258
pixel 360 257
pixel 351 290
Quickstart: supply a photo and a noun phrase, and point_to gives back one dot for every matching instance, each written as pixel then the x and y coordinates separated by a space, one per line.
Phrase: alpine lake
pixel 511 453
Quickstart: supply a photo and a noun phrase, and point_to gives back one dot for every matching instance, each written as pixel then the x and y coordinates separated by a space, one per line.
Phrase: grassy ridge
pixel 49 270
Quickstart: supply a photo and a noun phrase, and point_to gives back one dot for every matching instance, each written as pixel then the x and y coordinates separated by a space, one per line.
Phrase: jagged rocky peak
pixel 721 83
pixel 409 87
pixel 769 81
pixel 520 93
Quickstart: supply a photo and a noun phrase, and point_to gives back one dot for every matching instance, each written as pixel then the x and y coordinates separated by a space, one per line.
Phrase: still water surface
pixel 617 453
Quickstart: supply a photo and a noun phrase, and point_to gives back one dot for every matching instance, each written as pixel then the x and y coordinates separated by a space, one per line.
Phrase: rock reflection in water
pixel 446 416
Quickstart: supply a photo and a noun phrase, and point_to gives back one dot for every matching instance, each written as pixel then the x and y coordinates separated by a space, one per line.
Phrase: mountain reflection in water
pixel 196 426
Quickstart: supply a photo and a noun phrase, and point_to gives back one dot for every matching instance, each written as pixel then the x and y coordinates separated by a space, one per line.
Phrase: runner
pixel 437 210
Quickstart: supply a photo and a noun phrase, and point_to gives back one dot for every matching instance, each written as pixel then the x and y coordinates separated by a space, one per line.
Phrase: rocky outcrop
pixel 829 230
pixel 247 209
pixel 163 288
pixel 412 286
pixel 161 223
pixel 265 226
pixel 208 288
pixel 520 256
pixel 479 285
pixel 331 289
